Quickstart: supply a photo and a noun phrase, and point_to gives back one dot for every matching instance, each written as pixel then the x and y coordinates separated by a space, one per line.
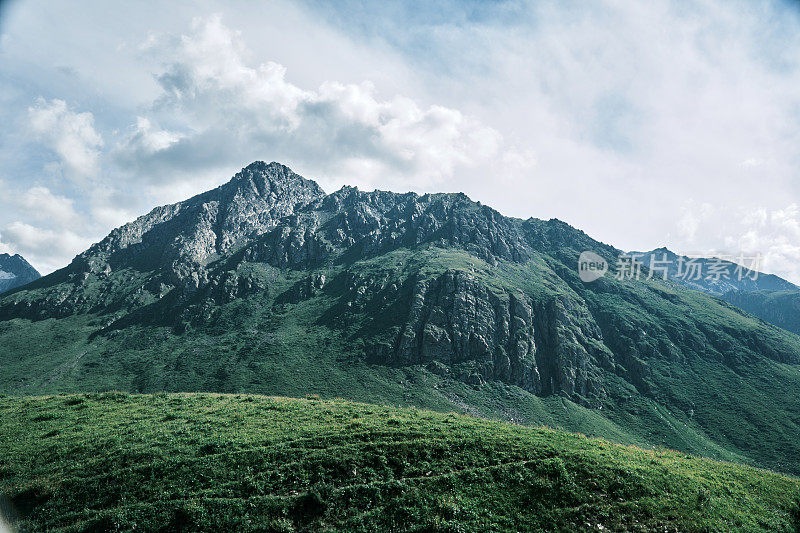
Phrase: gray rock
pixel 15 272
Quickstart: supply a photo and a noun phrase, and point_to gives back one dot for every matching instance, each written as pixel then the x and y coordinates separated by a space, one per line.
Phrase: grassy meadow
pixel 191 462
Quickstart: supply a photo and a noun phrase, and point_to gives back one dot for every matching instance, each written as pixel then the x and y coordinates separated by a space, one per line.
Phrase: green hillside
pixel 676 368
pixel 267 285
pixel 781 308
pixel 191 462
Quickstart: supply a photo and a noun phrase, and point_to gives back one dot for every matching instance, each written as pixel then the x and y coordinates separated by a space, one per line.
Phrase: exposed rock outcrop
pixel 184 237
pixel 456 321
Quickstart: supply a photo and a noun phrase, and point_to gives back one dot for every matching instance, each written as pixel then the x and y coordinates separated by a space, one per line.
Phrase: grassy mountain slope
pixel 433 301
pixel 781 308
pixel 257 344
pixel 189 462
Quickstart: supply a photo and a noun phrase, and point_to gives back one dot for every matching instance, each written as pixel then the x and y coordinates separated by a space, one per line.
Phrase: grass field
pixel 189 462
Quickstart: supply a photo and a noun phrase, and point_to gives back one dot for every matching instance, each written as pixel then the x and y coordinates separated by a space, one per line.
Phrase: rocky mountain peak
pixel 270 178
pixel 182 237
pixel 15 271
pixel 664 250
pixel 713 275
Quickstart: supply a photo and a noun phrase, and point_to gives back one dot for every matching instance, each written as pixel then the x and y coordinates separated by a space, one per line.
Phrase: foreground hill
pixel 268 285
pixel 15 272
pixel 103 462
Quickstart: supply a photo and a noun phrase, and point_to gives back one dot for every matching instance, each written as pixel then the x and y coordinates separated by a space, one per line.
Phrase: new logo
pixel 591 267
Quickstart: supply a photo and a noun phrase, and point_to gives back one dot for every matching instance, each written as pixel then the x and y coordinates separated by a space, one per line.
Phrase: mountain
pixel 208 462
pixel 769 297
pixel 781 308
pixel 268 285
pixel 15 272
pixel 709 274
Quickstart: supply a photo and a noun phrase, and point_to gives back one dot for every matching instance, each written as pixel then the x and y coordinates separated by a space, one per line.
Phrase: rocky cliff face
pixel 457 326
pixel 15 272
pixel 354 225
pixel 184 237
pixel 454 321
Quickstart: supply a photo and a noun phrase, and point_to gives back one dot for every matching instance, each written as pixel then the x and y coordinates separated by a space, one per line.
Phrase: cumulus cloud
pixel 46 249
pixel 631 108
pixel 233 111
pixel 770 235
pixel 42 226
pixel 43 205
pixel 149 139
pixel 644 124
pixel 69 133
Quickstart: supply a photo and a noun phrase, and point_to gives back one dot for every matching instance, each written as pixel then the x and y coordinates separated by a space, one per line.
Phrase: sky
pixel 645 124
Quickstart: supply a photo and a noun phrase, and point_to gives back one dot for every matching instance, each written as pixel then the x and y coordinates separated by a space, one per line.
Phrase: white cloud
pixel 609 116
pixel 70 134
pixel 45 249
pixel 734 231
pixel 630 108
pixel 232 112
pixel 45 206
pixel 150 139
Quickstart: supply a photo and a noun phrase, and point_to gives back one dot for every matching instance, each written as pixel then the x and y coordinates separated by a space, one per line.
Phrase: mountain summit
pixel 267 284
pixel 185 236
pixel 15 272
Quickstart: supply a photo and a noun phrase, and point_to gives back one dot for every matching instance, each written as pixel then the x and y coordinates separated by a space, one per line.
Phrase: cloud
pixel 70 134
pixel 645 124
pixel 45 206
pixel 231 112
pixel 46 229
pixel 144 145
pixel 149 140
pixel 772 235
pixel 630 107
pixel 46 249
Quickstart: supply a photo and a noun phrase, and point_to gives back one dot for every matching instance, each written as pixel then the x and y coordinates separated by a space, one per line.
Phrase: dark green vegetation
pixel 766 296
pixel 267 285
pixel 184 462
pixel 781 308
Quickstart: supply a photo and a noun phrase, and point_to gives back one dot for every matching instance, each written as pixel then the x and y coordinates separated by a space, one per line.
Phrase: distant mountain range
pixel 15 272
pixel 769 297
pixel 781 308
pixel 712 275
pixel 267 284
